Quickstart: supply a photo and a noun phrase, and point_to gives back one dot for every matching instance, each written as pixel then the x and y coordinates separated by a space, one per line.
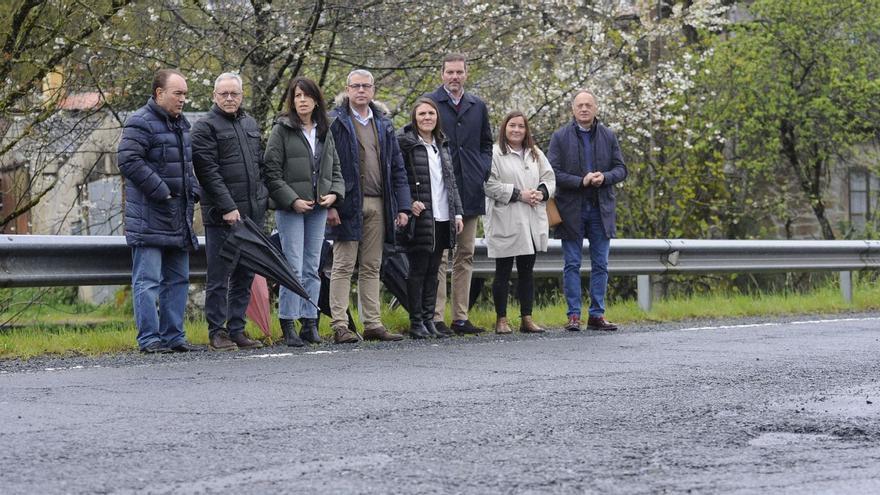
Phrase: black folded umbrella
pixel 395 272
pixel 249 246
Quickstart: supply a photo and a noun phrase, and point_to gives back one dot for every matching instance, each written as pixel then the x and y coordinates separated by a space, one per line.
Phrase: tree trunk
pixel 810 184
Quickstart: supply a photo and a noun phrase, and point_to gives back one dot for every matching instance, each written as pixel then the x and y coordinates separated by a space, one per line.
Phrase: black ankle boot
pixel 288 330
pixel 437 334
pixel 417 330
pixel 309 330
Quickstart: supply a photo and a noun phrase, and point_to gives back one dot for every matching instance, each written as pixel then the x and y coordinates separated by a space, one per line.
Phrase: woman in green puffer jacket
pixel 305 180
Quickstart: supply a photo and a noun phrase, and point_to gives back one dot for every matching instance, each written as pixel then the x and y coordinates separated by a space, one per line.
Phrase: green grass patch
pixel 72 329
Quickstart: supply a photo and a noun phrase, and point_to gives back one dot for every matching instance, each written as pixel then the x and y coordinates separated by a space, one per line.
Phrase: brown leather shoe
pixel 501 326
pixel 600 323
pixel 574 323
pixel 221 342
pixel 380 333
pixel 245 342
pixel 342 335
pixel 527 325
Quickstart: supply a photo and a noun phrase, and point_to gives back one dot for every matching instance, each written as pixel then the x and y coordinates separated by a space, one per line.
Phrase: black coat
pixel 565 156
pixel 155 157
pixel 228 158
pixel 415 156
pixel 470 145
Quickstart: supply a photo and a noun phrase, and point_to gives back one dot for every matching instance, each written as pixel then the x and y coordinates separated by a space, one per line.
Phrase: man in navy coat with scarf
pixel 587 160
pixel 465 121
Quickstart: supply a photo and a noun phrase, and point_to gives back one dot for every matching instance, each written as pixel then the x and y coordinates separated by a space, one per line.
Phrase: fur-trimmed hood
pixel 341 101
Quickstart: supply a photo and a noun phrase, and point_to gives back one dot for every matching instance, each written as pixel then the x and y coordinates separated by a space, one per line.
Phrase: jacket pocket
pixel 163 215
pixel 227 145
pixel 255 142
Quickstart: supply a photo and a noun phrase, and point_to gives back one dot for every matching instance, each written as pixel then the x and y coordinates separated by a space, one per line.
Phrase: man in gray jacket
pixel 227 156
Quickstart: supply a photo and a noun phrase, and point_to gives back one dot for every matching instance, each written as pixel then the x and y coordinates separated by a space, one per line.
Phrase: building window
pixel 863 190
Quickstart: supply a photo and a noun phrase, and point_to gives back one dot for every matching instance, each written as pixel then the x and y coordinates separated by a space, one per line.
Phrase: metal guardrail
pixel 64 260
pixel 35 261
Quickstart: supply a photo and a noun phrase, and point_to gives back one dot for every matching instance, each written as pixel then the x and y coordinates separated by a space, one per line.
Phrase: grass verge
pixel 64 333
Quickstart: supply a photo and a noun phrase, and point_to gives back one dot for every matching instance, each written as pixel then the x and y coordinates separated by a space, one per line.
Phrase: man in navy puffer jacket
pixel 155 157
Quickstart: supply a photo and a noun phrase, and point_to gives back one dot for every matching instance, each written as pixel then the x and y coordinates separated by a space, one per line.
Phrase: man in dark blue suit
pixel 587 160
pixel 465 121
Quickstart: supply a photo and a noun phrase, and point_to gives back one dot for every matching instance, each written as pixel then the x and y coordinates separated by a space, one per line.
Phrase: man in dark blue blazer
pixel 588 163
pixel 465 122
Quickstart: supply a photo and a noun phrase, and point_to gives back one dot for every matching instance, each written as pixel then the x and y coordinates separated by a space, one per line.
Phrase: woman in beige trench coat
pixel 519 185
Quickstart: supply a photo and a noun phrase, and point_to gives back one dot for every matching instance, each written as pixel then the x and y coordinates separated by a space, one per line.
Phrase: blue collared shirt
pixel 451 97
pixel 364 121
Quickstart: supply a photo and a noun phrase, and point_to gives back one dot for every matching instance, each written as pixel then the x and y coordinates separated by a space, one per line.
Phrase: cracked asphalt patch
pixel 753 407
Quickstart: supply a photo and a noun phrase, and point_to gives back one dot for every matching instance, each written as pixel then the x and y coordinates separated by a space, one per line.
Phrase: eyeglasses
pixel 229 95
pixel 357 86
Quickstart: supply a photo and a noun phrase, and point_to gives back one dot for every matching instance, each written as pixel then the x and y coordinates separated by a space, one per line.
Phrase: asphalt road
pixel 781 407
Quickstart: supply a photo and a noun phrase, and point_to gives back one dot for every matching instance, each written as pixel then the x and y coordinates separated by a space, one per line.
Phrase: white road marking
pixel 283 354
pixel 773 324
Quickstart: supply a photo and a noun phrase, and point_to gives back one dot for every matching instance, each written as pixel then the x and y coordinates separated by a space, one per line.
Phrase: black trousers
pixel 525 285
pixel 227 294
pixel 421 285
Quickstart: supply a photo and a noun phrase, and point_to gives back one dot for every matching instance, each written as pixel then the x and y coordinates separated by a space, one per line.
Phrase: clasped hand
pixel 302 206
pixel 594 179
pixel 531 197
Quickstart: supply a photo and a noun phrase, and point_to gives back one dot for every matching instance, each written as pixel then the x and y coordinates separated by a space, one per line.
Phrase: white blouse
pixel 439 194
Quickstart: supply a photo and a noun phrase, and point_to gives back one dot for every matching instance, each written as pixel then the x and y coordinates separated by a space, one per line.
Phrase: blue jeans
pixel 301 239
pixel 600 244
pixel 227 294
pixel 159 275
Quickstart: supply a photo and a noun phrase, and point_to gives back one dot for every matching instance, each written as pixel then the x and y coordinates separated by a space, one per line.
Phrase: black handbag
pixel 406 234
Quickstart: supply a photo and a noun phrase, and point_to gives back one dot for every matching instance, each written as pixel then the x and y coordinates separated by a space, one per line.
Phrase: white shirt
pixel 521 152
pixel 311 135
pixel 439 194
pixel 362 120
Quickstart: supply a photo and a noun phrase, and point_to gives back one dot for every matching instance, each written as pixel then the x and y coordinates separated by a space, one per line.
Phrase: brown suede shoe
pixel 342 335
pixel 380 333
pixel 574 323
pixel 221 342
pixel 527 325
pixel 501 326
pixel 245 342
pixel 600 323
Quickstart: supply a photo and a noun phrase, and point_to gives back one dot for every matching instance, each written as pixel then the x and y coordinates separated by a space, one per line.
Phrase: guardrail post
pixel 846 287
pixel 643 286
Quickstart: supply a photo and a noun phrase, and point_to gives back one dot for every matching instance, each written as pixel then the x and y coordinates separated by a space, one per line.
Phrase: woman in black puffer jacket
pixel 437 209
